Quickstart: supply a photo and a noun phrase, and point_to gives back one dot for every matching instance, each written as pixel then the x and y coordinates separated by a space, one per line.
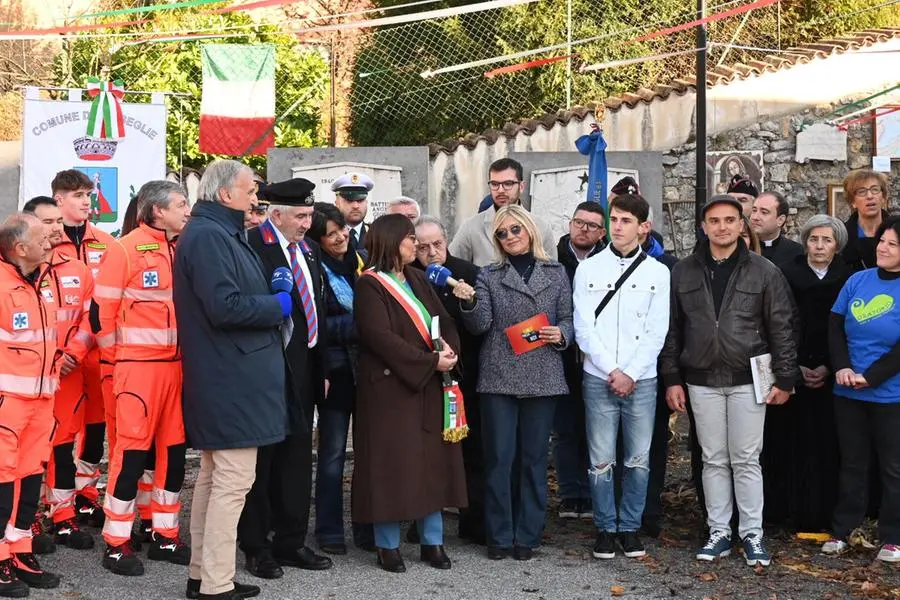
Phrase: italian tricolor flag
pixel 238 104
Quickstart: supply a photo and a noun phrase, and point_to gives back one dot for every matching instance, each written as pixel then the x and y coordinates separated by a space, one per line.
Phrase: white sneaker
pixel 889 553
pixel 835 546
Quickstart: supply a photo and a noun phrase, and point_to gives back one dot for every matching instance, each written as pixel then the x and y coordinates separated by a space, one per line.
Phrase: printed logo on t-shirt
pixel 876 307
pixel 70 282
pixel 151 279
pixel 20 321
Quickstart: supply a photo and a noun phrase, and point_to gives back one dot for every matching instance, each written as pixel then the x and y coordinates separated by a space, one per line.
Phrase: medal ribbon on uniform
pixel 456 427
pixel 106 120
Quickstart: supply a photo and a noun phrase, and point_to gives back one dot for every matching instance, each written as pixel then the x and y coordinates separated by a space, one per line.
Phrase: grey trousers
pixel 730 429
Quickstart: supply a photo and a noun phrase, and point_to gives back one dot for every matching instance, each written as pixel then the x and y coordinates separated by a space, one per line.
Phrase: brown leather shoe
pixel 435 556
pixel 390 560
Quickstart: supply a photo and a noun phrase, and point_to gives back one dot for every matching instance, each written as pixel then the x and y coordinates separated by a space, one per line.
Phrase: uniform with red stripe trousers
pixel 72 284
pixel 133 293
pixel 279 500
pixel 28 380
pixel 85 242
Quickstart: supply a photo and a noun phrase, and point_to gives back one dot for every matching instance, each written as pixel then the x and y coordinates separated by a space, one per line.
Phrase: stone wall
pixel 804 185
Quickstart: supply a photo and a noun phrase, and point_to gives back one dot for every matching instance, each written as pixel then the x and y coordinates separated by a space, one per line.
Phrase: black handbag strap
pixel 622 279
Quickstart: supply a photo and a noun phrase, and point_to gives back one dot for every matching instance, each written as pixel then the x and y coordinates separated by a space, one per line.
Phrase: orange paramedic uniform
pixel 99 407
pixel 134 294
pixel 73 285
pixel 28 380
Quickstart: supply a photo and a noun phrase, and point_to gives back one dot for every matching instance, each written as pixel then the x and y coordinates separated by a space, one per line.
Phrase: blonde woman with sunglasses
pixel 522 303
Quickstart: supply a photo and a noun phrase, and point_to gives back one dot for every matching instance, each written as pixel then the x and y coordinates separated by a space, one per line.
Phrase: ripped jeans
pixel 603 412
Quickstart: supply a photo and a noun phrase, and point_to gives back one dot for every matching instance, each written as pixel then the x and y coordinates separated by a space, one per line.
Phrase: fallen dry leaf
pixel 868 587
pixel 617 590
pixel 759 569
pixel 708 577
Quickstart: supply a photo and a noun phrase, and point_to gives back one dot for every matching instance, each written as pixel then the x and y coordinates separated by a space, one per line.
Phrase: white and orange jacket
pixel 92 249
pixel 133 292
pixel 28 352
pixel 73 284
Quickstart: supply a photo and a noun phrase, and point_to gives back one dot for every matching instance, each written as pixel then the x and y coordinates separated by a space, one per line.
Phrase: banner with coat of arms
pixel 119 146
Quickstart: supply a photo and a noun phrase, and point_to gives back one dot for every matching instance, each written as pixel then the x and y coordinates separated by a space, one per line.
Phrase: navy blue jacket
pixel 229 329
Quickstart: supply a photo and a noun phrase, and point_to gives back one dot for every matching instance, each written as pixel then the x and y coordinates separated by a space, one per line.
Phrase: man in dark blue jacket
pixel 229 326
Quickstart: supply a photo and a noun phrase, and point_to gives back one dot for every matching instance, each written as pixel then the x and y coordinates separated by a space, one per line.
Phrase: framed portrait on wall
pixel 887 131
pixel 723 166
pixel 837 204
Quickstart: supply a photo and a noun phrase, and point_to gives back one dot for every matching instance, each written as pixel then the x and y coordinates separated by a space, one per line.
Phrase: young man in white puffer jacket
pixel 620 347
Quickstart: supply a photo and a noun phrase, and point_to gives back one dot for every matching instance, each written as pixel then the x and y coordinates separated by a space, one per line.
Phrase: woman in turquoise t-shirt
pixel 864 339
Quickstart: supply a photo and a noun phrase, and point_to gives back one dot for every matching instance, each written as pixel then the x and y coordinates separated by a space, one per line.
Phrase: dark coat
pixel 471 344
pixel 572 362
pixel 360 244
pixel 341 352
pixel 305 365
pixel 229 330
pixel 859 253
pixel 404 470
pixel 782 251
pixel 814 298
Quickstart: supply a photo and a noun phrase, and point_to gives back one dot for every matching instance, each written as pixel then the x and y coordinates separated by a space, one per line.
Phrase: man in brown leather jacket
pixel 728 305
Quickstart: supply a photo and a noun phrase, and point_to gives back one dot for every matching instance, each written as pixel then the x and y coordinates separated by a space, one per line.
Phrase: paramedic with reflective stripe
pixel 75 194
pixel 28 380
pixel 73 285
pixel 134 295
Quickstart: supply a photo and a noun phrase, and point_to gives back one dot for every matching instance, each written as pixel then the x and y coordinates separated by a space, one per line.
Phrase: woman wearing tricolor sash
pixel 408 466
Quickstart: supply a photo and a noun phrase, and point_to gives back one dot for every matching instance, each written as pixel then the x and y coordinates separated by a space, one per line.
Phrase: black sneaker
pixel 172 550
pixel 10 585
pixel 586 508
pixel 631 544
pixel 142 533
pixel 89 512
pixel 28 570
pixel 569 509
pixel 41 541
pixel 122 560
pixel 69 534
pixel 605 546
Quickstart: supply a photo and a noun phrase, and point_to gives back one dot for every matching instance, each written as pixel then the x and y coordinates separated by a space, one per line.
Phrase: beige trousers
pixel 219 495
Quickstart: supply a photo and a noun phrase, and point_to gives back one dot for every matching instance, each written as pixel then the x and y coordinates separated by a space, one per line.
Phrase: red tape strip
pixel 525 65
pixel 710 19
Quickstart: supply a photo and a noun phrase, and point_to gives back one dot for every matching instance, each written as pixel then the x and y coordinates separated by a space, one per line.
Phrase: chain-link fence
pixel 425 81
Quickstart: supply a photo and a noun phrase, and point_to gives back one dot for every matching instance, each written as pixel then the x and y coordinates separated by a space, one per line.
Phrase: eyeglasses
pixel 502 234
pixel 592 227
pixel 438 245
pixel 875 190
pixel 506 185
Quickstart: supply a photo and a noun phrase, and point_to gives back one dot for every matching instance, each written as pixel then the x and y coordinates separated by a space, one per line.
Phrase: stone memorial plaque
pixel 556 192
pixel 821 142
pixel 387 180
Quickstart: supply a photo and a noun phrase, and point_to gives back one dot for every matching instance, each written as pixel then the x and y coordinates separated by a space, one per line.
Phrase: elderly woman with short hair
pixel 518 390
pixel 866 191
pixel 800 455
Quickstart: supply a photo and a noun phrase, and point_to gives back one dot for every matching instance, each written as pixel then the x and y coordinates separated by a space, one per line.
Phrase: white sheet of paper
pixel 287 330
pixel 881 164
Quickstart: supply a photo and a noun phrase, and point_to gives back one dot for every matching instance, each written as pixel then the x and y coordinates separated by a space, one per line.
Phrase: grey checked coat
pixel 503 299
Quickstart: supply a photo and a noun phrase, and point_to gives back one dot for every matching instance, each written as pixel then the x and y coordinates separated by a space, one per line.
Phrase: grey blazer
pixel 503 299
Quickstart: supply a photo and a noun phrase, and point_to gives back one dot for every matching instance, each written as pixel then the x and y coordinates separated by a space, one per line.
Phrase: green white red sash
pixel 456 427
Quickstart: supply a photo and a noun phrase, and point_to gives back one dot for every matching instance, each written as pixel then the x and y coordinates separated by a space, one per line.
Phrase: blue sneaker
pixel 717 546
pixel 755 552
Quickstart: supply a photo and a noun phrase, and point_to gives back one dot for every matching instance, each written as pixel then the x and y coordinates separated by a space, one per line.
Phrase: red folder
pixel 524 336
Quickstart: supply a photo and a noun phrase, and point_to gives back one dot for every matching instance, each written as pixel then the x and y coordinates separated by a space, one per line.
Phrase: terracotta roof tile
pixel 718 75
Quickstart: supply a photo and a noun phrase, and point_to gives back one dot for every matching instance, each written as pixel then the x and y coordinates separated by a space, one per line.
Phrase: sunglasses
pixel 502 234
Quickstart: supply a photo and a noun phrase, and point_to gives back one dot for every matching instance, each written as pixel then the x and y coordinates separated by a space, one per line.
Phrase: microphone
pixel 440 276
pixel 282 280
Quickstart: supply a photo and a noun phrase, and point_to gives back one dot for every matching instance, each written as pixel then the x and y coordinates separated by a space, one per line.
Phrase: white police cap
pixel 353 182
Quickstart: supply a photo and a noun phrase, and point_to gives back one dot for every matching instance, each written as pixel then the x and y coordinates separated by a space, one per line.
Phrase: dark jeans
pixel 334 425
pixel 512 424
pixel 570 450
pixel 859 424
pixel 471 518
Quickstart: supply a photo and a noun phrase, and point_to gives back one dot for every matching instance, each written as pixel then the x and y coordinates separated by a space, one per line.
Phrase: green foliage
pixel 301 71
pixel 392 104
